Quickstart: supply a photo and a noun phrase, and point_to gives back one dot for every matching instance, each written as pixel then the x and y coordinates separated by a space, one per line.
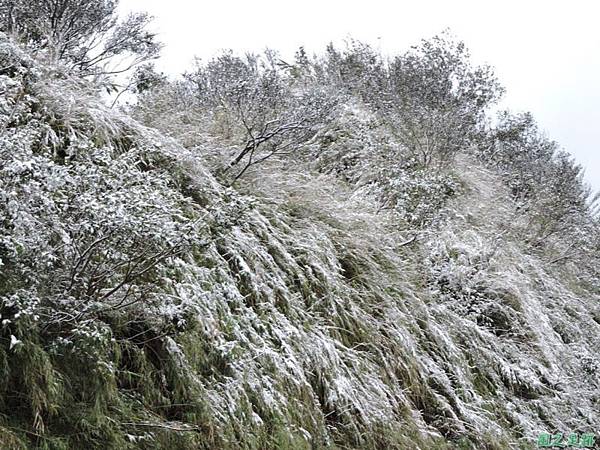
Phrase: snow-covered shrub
pixel 417 196
pixel 91 221
pixel 263 112
pixel 461 274
pixel 358 148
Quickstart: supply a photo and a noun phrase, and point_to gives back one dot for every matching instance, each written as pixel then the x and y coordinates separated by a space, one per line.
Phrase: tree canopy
pixel 85 34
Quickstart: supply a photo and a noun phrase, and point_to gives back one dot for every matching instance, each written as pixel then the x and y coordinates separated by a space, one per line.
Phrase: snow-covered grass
pixel 144 305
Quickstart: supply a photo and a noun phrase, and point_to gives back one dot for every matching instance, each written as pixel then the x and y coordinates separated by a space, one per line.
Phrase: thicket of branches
pixel 431 99
pixel 261 108
pixel 84 34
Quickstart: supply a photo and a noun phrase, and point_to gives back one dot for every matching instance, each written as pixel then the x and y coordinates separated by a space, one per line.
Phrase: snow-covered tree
pixel 85 34
pixel 436 100
pixel 270 115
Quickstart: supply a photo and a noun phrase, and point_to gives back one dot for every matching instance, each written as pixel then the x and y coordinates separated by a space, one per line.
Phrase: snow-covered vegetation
pixel 334 252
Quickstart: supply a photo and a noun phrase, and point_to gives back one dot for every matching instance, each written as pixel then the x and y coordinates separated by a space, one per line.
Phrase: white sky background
pixel 546 53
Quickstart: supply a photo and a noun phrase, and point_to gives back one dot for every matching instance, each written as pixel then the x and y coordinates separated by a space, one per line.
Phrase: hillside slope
pixel 145 305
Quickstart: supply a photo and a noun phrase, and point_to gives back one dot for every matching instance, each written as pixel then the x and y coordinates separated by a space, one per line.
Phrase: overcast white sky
pixel 546 53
